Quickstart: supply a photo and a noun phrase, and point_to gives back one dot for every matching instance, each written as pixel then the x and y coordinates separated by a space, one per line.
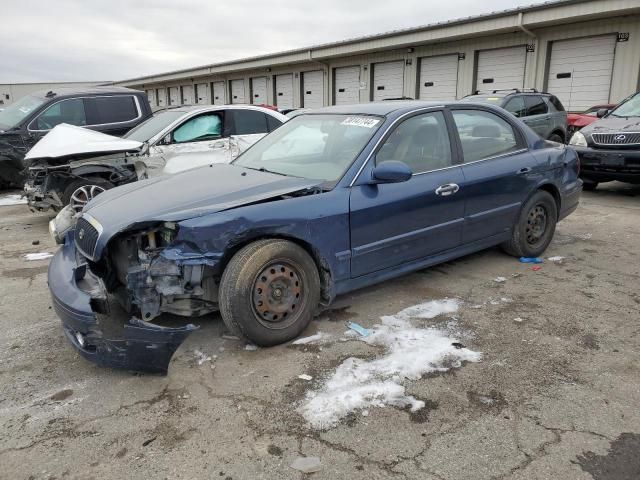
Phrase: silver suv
pixel 542 112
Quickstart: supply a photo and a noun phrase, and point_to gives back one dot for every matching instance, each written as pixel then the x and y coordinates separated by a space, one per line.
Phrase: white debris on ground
pixel 499 279
pixel 411 352
pixel 12 199
pixel 585 236
pixel 318 337
pixel 518 319
pixel 250 347
pixel 556 259
pixel 307 464
pixel 201 357
pixel 30 257
pixel 306 377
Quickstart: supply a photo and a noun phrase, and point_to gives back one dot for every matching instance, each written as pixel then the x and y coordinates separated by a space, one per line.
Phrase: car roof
pixel 214 108
pixel 97 90
pixel 504 94
pixel 377 108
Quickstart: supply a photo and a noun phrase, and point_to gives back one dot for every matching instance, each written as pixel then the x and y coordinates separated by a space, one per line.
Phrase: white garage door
pixel 313 89
pixel 284 91
pixel 218 93
pixel 580 71
pixel 388 80
pixel 187 95
pixel 202 94
pixel 174 96
pixel 438 78
pixel 259 90
pixel 237 91
pixel 161 95
pixel 347 85
pixel 151 96
pixel 501 68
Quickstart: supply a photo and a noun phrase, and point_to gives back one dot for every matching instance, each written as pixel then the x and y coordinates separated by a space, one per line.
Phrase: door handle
pixel 524 171
pixel 447 189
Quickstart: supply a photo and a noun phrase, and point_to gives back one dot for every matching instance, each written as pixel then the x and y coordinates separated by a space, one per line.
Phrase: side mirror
pixel 602 112
pixel 391 171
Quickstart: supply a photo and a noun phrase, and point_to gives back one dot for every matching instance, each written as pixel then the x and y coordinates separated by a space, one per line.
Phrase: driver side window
pixel 66 111
pixel 422 142
pixel 201 128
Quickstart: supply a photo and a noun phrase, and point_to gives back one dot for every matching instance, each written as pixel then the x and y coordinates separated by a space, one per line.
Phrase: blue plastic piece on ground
pixel 365 332
pixel 531 260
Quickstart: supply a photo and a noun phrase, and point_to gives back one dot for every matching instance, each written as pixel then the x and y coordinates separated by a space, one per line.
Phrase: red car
pixel 576 121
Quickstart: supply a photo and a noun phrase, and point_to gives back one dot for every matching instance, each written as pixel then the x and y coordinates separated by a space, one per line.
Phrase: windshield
pixel 12 115
pixel 150 128
pixel 630 108
pixel 320 147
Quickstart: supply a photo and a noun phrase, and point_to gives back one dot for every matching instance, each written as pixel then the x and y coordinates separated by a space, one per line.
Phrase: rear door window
pixel 69 111
pixel 557 104
pixel 272 123
pixel 484 135
pixel 516 106
pixel 116 109
pixel 248 122
pixel 535 105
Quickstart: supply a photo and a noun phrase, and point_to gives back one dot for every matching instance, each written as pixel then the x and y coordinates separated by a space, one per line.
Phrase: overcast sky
pixel 76 40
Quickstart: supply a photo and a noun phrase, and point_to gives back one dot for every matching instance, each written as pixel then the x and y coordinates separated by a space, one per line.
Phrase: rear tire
pixel 535 227
pixel 589 185
pixel 556 138
pixel 269 292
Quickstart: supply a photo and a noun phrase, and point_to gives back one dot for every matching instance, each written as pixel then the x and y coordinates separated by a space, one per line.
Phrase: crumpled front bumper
pixel 39 199
pixel 132 345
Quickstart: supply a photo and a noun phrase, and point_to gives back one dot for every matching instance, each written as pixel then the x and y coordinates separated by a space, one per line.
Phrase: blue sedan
pixel 334 200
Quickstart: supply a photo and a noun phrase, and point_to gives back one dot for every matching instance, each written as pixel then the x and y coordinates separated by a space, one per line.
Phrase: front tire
pixel 269 292
pixel 589 185
pixel 80 192
pixel 535 227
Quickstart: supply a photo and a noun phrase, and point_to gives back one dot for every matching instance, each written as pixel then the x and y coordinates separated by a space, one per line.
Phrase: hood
pixel 188 194
pixel 613 124
pixel 65 140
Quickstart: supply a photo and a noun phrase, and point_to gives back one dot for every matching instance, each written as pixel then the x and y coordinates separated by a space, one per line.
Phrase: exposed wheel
pixel 79 192
pixel 269 292
pixel 556 138
pixel 589 185
pixel 535 227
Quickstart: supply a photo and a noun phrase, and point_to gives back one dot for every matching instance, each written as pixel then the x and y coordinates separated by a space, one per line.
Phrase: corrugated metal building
pixel 10 92
pixel 587 52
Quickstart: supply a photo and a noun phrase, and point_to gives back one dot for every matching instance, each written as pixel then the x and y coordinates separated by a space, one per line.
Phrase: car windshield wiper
pixel 262 169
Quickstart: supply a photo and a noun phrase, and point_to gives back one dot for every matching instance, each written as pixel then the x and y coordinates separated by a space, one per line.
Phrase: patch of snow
pixel 201 357
pixel 7 200
pixel 585 236
pixel 556 259
pixel 250 347
pixel 499 279
pixel 307 464
pixel 518 319
pixel 411 352
pixel 506 300
pixel 306 377
pixel 30 257
pixel 318 337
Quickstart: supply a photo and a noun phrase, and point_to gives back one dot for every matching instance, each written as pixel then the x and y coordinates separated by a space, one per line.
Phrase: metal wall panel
pixel 580 71
pixel 151 96
pixel 259 90
pixel 161 96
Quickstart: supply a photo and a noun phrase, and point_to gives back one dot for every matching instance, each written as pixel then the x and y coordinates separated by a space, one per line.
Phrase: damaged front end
pixel 49 183
pixel 103 323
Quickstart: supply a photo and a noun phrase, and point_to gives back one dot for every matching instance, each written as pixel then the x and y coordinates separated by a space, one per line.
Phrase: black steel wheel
pixel 269 292
pixel 536 225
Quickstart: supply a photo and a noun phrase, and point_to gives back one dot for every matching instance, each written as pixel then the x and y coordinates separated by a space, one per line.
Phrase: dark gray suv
pixel 542 112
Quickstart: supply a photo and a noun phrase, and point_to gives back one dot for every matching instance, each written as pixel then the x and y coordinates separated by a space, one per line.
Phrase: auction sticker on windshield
pixel 366 122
